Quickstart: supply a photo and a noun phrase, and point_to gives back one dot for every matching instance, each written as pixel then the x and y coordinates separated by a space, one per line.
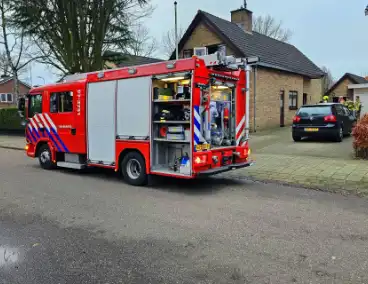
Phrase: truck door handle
pixel 73 131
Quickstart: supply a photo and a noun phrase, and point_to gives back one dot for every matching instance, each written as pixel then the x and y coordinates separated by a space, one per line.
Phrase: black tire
pixel 133 169
pixel 339 134
pixel 44 157
pixel 297 138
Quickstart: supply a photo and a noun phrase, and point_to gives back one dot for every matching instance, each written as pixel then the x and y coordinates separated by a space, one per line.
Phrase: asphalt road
pixel 67 227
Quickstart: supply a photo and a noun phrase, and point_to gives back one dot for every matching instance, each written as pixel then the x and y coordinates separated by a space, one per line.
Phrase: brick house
pixel 340 88
pixel 282 81
pixel 7 96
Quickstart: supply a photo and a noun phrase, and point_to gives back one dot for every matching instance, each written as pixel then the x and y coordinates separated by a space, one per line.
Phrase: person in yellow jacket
pixel 358 106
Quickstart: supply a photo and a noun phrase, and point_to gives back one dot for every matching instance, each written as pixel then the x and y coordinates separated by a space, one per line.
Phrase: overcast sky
pixel 333 33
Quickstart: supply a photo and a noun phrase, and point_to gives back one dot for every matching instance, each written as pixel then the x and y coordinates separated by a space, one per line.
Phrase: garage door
pixel 364 101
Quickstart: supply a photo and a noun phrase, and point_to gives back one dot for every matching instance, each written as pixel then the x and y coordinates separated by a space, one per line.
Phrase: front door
pixel 282 108
pixel 305 99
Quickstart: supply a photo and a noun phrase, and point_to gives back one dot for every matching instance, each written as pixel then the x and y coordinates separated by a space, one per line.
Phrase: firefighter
pixel 358 106
pixel 325 99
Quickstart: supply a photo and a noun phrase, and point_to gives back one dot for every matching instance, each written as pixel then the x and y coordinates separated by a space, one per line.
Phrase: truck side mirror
pixel 21 106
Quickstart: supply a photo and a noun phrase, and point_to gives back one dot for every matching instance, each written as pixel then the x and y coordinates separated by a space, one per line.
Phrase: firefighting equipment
pixel 164 115
pixel 226 113
pixel 163 131
pixel 186 110
pixel 216 136
pixel 163 93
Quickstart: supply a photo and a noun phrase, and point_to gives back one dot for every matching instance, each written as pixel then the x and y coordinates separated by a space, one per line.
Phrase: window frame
pixel 293 95
pixel 58 100
pixel 340 110
pixel 12 97
pixel 30 97
pixel 6 101
pixel 346 110
pixel 190 50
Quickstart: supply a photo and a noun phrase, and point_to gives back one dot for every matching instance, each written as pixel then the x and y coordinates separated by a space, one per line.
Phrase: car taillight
pixel 330 118
pixel 296 118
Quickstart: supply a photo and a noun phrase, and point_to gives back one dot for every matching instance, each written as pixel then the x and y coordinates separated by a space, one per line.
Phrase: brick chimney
pixel 243 18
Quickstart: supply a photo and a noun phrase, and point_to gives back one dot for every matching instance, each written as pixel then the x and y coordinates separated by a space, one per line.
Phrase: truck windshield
pixel 34 105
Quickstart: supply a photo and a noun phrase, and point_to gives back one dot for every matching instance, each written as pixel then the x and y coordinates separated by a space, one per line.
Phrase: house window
pixel 212 48
pixel 188 53
pixel 61 102
pixel 6 98
pixel 293 100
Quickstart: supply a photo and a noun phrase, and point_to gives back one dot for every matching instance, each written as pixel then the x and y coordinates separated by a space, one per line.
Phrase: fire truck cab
pixel 183 118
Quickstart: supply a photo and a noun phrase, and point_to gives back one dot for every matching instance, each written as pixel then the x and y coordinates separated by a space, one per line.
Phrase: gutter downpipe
pixel 247 100
pixel 254 96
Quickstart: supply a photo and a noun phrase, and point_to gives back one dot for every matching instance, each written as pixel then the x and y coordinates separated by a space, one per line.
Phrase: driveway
pixel 68 227
pixel 320 165
pixel 279 142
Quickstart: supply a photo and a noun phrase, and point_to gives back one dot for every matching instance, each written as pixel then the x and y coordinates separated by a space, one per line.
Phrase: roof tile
pixel 272 52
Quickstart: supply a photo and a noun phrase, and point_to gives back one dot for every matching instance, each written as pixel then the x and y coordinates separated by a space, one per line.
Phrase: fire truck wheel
pixel 44 156
pixel 133 168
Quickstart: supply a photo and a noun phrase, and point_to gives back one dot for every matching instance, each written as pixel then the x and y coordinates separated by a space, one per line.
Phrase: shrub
pixel 360 134
pixel 10 119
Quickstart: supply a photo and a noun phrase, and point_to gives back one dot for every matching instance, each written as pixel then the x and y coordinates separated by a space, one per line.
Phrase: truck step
pixel 71 165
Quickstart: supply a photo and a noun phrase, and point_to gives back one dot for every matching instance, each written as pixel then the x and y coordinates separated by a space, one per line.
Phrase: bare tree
pixel 328 80
pixel 17 48
pixel 142 44
pixel 4 63
pixel 267 25
pixel 76 33
pixel 168 41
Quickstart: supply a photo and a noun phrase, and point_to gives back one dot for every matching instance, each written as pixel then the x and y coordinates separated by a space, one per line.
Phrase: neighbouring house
pixel 360 90
pixel 7 97
pixel 282 81
pixel 117 59
pixel 341 87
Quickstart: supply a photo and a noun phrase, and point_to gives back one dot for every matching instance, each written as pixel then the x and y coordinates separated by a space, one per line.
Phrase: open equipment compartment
pixel 171 139
pixel 222 113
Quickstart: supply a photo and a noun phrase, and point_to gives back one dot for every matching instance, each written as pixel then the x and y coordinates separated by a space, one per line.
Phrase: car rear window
pixel 315 110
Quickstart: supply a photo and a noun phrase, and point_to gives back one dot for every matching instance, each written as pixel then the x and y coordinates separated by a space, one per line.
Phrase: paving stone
pixel 354 178
pixel 323 173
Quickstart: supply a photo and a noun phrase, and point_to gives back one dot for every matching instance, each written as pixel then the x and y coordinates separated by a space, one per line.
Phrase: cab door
pixel 62 121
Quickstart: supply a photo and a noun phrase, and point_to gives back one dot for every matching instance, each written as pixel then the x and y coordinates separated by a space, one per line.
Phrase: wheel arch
pixel 39 145
pixel 51 147
pixel 126 151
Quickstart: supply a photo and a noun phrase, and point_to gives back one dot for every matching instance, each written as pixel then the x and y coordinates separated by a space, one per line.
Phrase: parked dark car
pixel 323 120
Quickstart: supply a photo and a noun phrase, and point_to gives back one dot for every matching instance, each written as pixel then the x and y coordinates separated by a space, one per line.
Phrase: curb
pixel 11 147
pixel 349 188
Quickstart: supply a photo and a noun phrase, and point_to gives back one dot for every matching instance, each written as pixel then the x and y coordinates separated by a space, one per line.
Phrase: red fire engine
pixel 183 118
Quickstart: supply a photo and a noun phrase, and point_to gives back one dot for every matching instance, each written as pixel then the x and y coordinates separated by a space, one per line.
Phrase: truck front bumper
pixel 223 169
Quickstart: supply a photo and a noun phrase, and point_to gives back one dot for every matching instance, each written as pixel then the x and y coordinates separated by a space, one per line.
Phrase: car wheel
pixel 133 168
pixel 44 157
pixel 297 138
pixel 339 134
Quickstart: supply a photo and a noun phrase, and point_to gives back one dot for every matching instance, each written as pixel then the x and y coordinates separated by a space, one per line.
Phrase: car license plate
pixel 311 129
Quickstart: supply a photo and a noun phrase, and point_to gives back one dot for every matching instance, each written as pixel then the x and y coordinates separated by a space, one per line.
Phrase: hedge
pixel 10 119
pixel 360 134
